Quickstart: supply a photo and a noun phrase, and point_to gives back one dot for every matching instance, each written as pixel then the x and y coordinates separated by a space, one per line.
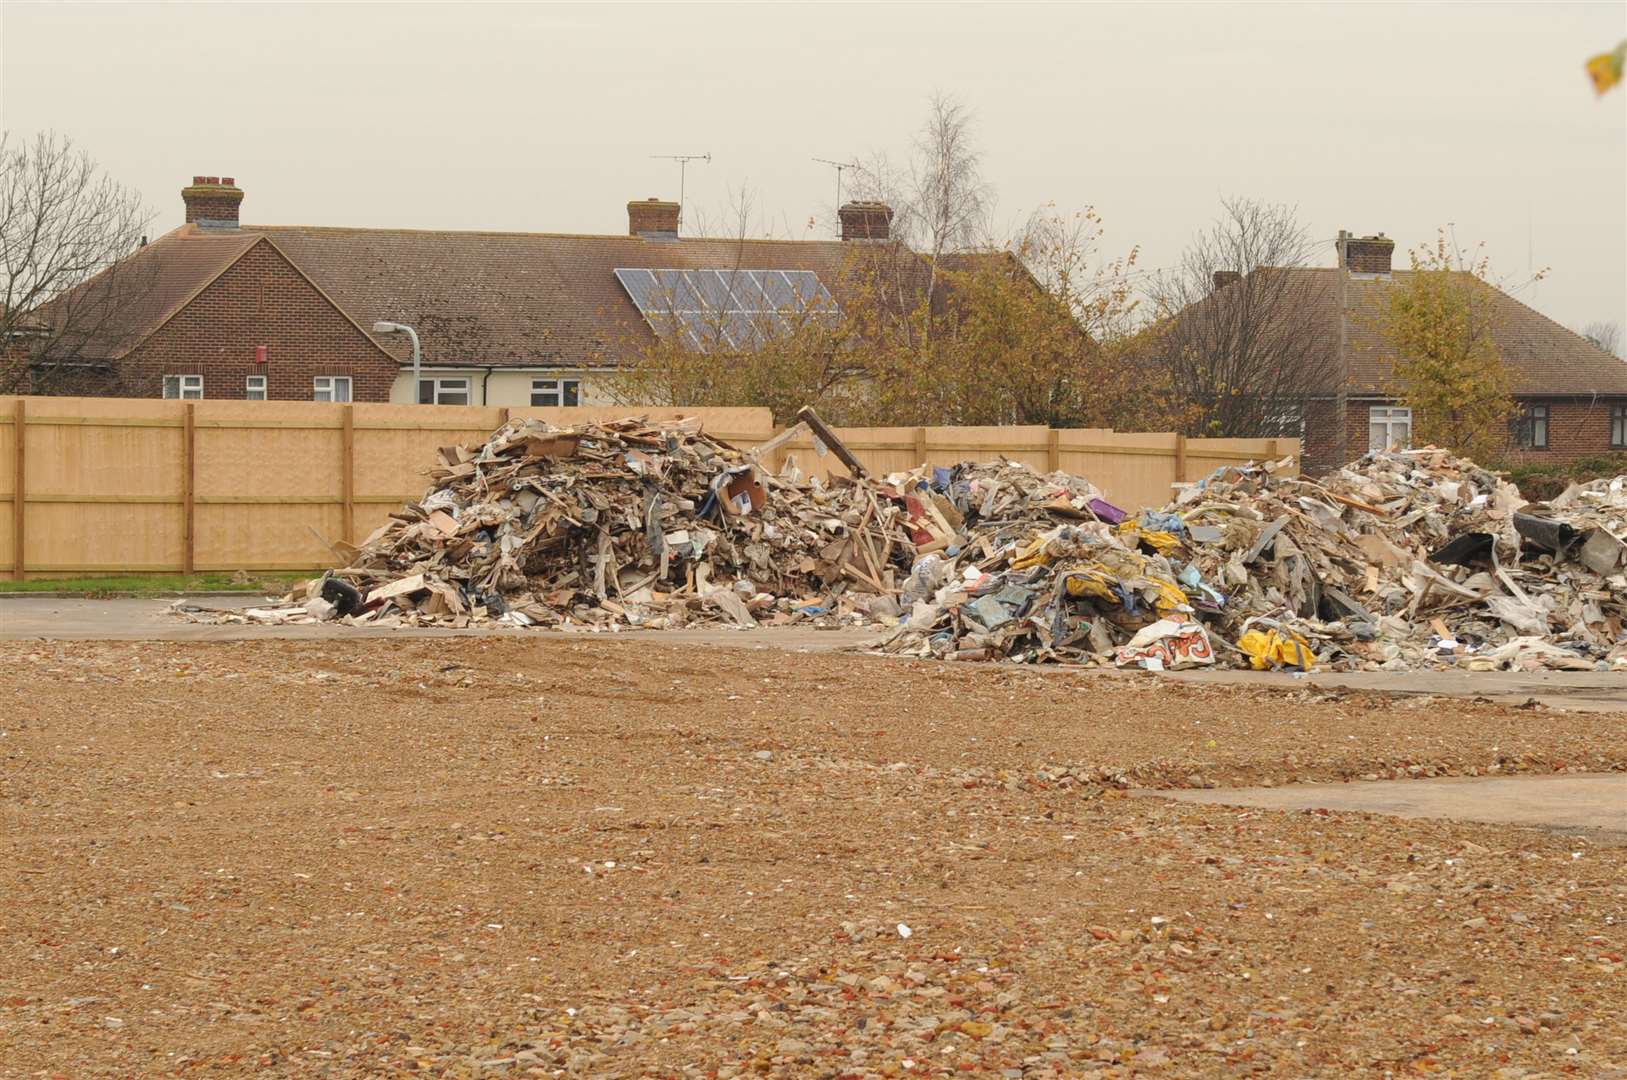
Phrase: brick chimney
pixel 865 220
pixel 1224 278
pixel 652 217
pixel 1364 254
pixel 212 202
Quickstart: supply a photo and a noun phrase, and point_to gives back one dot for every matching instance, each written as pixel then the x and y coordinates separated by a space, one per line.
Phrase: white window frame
pixel 1618 427
pixel 440 387
pixel 556 388
pixel 187 388
pixel 255 388
pixel 1391 418
pixel 326 388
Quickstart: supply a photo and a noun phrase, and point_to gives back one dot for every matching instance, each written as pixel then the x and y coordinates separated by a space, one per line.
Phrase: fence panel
pixel 113 485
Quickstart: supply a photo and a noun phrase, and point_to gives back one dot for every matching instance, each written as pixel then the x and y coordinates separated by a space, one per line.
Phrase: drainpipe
pixel 483 381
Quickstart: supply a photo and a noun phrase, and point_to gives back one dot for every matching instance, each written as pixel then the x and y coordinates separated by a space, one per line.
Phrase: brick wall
pixel 1320 452
pixel 1576 429
pixel 260 300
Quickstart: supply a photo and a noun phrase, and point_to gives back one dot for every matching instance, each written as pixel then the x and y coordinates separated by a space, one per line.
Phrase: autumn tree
pixel 65 295
pixel 1448 370
pixel 936 323
pixel 1243 330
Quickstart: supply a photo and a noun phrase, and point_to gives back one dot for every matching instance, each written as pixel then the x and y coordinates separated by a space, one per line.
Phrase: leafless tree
pixel 1606 335
pixel 941 206
pixel 1246 328
pixel 66 298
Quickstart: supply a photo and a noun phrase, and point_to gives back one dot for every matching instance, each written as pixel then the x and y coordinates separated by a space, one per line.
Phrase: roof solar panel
pixel 726 309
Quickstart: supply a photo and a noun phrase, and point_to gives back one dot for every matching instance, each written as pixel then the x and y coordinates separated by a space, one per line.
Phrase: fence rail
pixel 115 485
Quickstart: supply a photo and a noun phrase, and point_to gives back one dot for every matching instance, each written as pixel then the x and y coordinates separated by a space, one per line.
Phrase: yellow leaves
pixel 1606 69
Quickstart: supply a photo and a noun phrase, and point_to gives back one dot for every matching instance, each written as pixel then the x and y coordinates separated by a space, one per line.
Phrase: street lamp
pixel 403 328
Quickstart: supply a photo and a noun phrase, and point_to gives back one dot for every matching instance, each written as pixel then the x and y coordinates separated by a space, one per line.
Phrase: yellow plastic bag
pixel 1159 540
pixel 1097 580
pixel 1269 649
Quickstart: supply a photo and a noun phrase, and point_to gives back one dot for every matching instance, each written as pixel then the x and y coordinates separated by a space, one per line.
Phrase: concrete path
pixel 1590 804
pixel 72 619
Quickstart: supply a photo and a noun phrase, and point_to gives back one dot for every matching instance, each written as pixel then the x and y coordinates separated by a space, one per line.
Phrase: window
pixel 331 388
pixel 1387 426
pixel 255 388
pixel 183 387
pixel 1618 427
pixel 443 391
pixel 556 391
pixel 1531 429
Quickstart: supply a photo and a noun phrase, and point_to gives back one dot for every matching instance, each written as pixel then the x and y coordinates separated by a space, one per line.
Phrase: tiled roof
pixel 1543 357
pixel 516 299
pixel 119 308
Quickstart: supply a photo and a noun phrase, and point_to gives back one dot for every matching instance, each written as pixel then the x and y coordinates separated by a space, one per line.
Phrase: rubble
pixel 1403 559
pixel 629 523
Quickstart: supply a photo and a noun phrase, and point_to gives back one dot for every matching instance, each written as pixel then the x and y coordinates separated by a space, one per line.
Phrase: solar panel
pixel 726 309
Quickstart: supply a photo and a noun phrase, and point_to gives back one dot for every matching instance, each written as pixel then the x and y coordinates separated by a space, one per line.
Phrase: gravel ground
pixel 485 857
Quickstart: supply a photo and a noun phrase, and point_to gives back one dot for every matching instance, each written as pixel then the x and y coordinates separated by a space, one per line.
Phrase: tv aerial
pixel 683 161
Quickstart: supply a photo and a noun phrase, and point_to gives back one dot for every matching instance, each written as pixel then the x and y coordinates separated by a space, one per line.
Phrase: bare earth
pixel 490 857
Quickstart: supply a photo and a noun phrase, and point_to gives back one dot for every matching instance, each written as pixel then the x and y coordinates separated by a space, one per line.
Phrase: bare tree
pixel 1246 332
pixel 941 208
pixel 66 296
pixel 1606 335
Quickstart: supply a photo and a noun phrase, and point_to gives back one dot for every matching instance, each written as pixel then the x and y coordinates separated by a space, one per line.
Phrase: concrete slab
pixel 1588 804
pixel 31 618
pixel 24 617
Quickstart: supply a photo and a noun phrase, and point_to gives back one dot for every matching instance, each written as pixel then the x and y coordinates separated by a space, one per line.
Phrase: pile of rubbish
pixel 1403 559
pixel 630 523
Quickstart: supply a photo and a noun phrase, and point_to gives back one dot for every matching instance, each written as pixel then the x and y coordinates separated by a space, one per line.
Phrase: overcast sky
pixel 1372 117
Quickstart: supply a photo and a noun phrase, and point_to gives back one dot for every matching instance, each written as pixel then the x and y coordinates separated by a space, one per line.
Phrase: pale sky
pixel 1374 117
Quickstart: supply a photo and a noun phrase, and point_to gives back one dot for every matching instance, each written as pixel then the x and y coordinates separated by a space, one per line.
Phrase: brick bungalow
pixel 231 310
pixel 1572 394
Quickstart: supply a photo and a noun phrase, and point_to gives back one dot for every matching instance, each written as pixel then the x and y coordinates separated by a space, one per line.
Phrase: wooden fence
pixel 121 485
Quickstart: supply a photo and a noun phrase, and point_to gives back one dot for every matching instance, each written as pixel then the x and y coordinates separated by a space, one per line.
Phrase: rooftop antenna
pixel 683 161
pixel 840 167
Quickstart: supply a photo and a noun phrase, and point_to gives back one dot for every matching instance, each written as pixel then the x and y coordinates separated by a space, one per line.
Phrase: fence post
pixel 920 446
pixel 1180 458
pixel 1053 450
pixel 19 492
pixel 347 475
pixel 189 449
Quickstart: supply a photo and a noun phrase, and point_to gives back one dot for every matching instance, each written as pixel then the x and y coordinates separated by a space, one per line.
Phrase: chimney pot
pixel 864 219
pixel 652 217
pixel 212 204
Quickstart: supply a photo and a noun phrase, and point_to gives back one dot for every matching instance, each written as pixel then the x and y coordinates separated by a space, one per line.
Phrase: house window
pixel 443 391
pixel 1531 428
pixel 1618 427
pixel 331 388
pixel 183 387
pixel 255 388
pixel 1387 426
pixel 556 391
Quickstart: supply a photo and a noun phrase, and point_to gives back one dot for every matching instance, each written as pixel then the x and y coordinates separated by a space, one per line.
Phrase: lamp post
pixel 412 335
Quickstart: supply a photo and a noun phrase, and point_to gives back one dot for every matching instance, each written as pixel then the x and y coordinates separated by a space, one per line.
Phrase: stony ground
pixel 557 857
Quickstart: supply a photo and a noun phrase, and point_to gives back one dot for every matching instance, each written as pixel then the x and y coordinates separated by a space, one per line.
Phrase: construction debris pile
pixel 1403 559
pixel 627 523
pixel 1400 560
